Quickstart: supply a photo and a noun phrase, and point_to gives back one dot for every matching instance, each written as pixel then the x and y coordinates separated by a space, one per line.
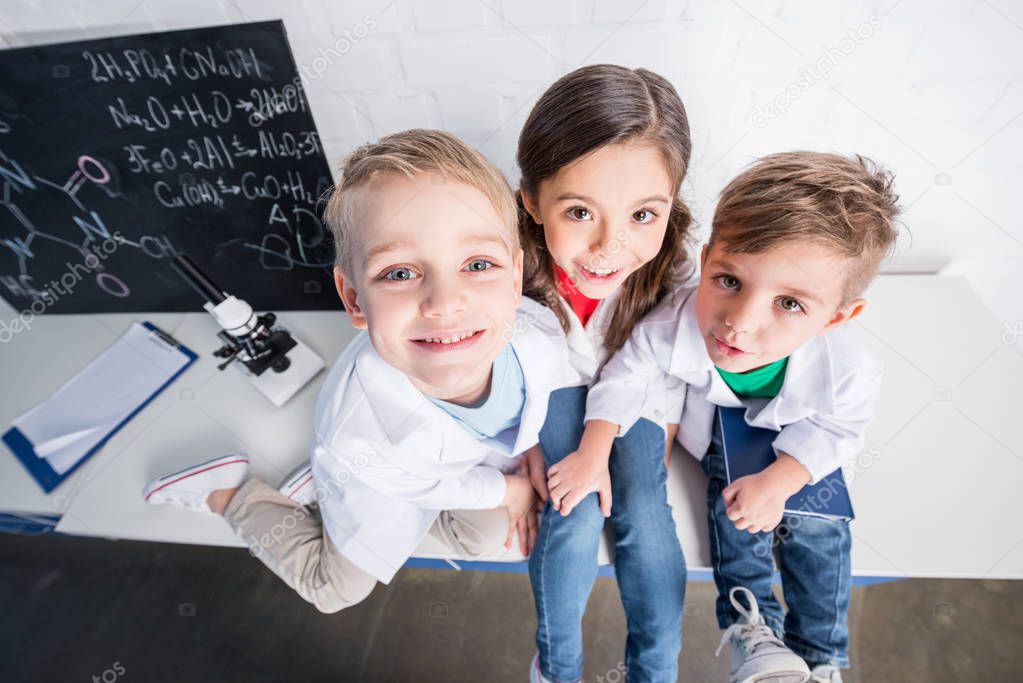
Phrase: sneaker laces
pixel 751 629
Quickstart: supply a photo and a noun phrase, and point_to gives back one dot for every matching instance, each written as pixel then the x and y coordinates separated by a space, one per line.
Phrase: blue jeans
pixel 813 562
pixel 649 565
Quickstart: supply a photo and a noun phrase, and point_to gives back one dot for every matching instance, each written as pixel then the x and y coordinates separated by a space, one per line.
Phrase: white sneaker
pixel 758 656
pixel 191 487
pixel 298 486
pixel 825 673
pixel 535 675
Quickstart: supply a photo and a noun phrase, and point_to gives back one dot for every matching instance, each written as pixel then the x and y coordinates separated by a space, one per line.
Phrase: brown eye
pixel 579 213
pixel 728 282
pixel 790 305
pixel 643 216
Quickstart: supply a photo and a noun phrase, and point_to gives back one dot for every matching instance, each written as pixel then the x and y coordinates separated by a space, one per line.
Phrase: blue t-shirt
pixel 502 408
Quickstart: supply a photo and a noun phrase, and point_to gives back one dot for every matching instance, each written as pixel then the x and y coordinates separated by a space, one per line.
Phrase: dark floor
pixel 78 609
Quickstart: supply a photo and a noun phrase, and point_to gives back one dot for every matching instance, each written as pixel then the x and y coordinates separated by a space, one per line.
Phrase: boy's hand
pixel 753 504
pixel 756 502
pixel 520 500
pixel 527 528
pixel 575 477
pixel 534 467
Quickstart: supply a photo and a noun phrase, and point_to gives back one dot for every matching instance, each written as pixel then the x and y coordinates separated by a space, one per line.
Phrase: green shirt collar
pixel 763 382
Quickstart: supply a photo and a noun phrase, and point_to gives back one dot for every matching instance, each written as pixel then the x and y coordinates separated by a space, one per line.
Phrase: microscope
pixel 273 361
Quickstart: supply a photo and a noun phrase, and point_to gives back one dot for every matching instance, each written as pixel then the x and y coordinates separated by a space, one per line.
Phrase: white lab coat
pixel 386 459
pixel 587 354
pixel 825 402
pixel 586 350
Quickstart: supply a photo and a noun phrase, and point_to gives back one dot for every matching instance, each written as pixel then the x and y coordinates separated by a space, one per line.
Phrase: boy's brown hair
pixel 845 203
pixel 409 153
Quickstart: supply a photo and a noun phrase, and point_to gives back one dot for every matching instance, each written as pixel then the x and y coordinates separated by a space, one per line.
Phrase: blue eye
pixel 400 274
pixel 728 281
pixel 790 305
pixel 478 265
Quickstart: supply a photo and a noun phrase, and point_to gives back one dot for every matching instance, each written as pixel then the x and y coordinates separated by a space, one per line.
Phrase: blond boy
pixel 421 422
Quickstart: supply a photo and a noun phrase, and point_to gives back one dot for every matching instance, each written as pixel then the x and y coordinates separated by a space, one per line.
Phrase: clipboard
pixel 54 438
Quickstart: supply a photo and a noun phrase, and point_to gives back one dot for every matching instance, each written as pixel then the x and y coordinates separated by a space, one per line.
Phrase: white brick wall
pixel 932 90
pixel 478 60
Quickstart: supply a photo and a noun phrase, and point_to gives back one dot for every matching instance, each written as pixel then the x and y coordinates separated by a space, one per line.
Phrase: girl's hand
pixel 575 477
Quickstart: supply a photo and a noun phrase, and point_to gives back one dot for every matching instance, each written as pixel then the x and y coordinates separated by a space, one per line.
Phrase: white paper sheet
pixel 68 424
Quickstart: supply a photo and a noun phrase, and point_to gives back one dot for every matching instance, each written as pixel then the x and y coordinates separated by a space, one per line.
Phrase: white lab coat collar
pixel 403 410
pixel 538 368
pixel 578 338
pixel 588 340
pixel 809 386
pixel 399 406
pixel 689 353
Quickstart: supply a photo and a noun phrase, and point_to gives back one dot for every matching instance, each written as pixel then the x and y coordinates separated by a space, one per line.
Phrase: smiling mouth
pixel 448 341
pixel 598 274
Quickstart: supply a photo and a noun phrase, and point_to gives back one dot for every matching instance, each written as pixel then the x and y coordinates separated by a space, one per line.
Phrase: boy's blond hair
pixel 845 203
pixel 409 153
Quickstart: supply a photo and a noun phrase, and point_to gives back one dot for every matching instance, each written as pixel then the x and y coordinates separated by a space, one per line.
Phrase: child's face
pixel 436 282
pixel 754 309
pixel 605 215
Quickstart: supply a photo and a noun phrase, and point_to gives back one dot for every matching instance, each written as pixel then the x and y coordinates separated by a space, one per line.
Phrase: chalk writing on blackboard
pixel 199 142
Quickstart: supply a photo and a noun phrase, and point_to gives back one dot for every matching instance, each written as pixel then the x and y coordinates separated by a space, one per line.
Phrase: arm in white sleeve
pixel 632 382
pixel 480 488
pixel 823 443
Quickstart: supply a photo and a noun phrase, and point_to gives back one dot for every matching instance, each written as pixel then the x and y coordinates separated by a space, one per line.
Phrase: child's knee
pixel 490 534
pixel 480 532
pixel 336 582
pixel 585 519
pixel 343 592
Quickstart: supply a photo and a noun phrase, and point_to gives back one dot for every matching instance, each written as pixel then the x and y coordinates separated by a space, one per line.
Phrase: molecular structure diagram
pixel 20 190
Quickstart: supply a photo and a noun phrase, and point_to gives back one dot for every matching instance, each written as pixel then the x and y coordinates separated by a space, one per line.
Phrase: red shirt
pixel 582 305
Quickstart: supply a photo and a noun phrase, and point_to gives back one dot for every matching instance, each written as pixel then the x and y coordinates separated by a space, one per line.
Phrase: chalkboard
pixel 117 154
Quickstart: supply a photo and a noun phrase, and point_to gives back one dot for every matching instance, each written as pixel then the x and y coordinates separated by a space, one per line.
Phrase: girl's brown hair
pixel 583 111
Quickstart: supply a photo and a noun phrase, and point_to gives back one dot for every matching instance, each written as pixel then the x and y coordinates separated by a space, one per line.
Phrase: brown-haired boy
pixel 796 238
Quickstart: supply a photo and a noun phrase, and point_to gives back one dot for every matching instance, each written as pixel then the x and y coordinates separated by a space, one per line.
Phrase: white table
pixel 934 492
